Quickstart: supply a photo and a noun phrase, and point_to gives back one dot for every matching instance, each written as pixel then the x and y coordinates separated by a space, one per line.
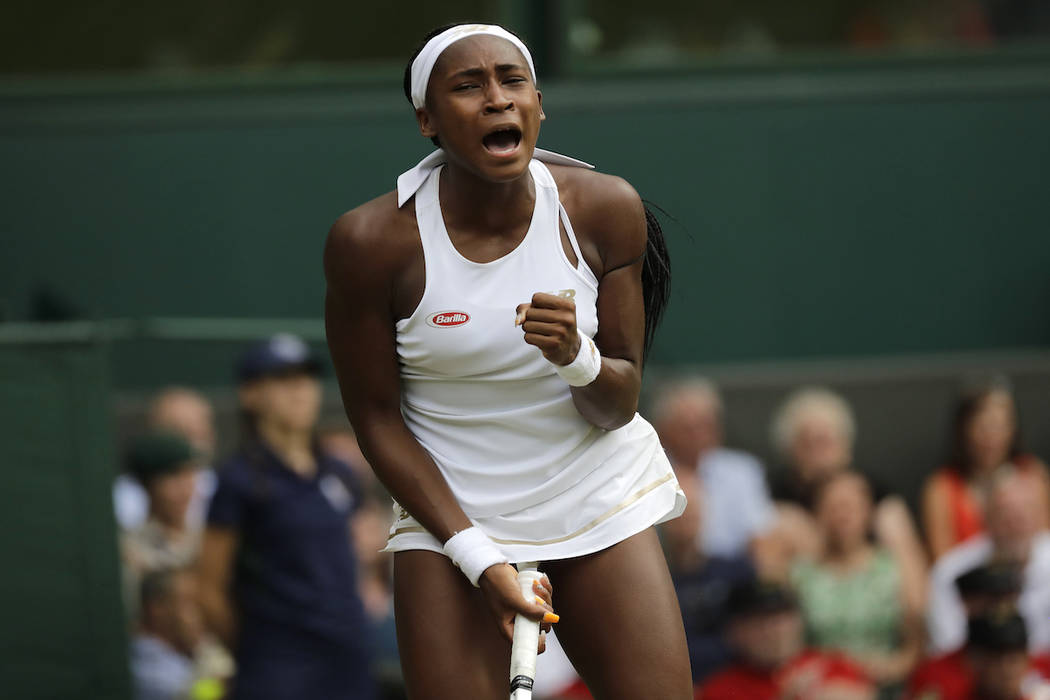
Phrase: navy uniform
pixel 302 629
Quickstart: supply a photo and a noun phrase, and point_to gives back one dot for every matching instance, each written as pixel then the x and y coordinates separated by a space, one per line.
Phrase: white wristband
pixel 473 552
pixel 585 367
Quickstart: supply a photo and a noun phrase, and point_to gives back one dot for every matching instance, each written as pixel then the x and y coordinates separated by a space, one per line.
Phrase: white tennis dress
pixel 498 421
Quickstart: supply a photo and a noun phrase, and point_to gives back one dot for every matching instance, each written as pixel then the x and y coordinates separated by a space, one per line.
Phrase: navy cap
pixel 991 579
pixel 999 631
pixel 281 354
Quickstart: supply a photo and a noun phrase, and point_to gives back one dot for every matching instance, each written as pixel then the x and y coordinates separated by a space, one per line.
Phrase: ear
pixel 426 124
pixel 539 98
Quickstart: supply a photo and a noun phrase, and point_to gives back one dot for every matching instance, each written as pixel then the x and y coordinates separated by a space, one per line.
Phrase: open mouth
pixel 502 141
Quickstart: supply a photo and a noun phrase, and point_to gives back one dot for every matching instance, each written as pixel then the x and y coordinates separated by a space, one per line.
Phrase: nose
pixel 497 99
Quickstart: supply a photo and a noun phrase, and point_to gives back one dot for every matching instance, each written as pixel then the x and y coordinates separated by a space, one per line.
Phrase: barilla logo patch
pixel 447 319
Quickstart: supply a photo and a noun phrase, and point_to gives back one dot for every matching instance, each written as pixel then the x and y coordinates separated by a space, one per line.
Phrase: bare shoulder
pixel 591 194
pixel 376 236
pixel 605 210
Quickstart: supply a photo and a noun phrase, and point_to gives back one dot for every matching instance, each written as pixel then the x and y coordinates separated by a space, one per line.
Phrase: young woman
pixel 985 439
pixel 277 571
pixel 487 323
pixel 852 593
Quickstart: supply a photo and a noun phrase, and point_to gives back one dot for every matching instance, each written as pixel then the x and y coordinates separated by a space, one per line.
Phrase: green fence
pixel 62 634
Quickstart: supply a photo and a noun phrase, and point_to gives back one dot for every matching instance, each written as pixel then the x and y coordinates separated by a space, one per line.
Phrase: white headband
pixel 424 62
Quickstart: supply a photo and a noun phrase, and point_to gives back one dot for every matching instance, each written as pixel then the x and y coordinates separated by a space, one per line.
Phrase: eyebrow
pixel 501 68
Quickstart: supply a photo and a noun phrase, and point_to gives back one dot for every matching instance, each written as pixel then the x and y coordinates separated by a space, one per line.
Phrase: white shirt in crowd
pixel 736 506
pixel 946 617
pixel 131 503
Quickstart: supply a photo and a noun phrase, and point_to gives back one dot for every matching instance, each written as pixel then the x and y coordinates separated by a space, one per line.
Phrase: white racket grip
pixel 526 638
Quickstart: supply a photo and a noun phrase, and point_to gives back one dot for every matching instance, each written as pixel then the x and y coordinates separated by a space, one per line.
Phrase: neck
pixel 468 201
pixel 846 556
pixel 170 527
pixel 293 446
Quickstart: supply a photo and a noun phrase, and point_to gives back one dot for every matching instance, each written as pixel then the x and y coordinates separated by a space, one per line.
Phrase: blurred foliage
pixel 111 35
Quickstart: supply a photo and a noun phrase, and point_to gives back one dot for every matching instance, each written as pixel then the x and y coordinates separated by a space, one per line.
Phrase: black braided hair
pixel 656 277
pixel 656 269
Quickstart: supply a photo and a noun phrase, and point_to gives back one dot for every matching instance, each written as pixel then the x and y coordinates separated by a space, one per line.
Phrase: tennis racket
pixel 526 638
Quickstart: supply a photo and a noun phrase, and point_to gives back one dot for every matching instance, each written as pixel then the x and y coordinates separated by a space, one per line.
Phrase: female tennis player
pixel 487 322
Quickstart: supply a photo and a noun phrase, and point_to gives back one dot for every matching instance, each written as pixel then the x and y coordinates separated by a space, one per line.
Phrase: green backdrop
pixel 62 634
pixel 867 207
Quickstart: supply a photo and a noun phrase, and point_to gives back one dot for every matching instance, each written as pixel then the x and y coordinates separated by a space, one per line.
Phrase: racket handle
pixel 526 638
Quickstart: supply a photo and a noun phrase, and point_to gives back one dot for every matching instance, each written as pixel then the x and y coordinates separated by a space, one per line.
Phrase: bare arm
pixel 895 530
pixel 363 259
pixel 215 567
pixel 612 215
pixel 936 517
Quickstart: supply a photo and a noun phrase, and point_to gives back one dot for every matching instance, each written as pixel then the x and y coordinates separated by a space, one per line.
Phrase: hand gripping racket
pixel 526 638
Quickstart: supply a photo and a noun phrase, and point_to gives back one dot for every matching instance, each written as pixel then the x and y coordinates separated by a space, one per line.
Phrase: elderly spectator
pixel 765 630
pixel 814 431
pixel 165 464
pixel 1015 536
pixel 738 515
pixel 852 595
pixel 278 573
pixel 170 634
pixel 985 439
pixel 702 583
pixel 187 413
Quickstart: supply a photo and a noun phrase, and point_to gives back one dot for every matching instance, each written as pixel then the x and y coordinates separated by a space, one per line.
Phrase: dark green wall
pixel 862 208
pixel 63 633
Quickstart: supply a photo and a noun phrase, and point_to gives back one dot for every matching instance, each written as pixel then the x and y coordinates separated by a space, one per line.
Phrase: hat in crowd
pixel 158 453
pixel 760 597
pixel 281 354
pixel 997 579
pixel 999 631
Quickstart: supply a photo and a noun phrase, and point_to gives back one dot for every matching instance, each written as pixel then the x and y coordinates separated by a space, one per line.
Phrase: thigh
pixel 449 643
pixel 620 622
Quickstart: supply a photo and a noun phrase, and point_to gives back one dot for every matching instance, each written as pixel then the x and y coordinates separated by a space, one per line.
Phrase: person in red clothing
pixel 994 664
pixel 984 589
pixel 985 439
pixel 765 630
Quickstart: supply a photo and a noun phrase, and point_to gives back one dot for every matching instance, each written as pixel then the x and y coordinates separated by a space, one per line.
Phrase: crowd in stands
pixel 260 574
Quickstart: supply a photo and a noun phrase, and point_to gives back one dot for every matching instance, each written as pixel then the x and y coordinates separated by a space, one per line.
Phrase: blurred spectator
pixel 165 464
pixel 852 595
pixel 278 572
pixel 739 515
pixel 994 665
pixel 1015 536
pixel 188 413
pixel 765 631
pixel 814 431
pixel 985 439
pixel 983 590
pixel 701 582
pixel 338 440
pixel 371 525
pixel 166 651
